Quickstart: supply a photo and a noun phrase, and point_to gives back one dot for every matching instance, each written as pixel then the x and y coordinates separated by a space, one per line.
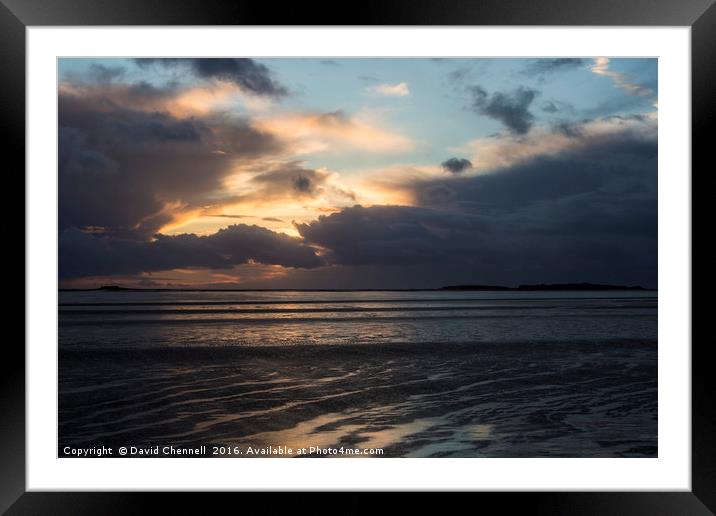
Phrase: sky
pixel 356 173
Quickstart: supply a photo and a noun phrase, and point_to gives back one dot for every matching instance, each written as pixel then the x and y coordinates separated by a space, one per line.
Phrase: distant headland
pixel 546 286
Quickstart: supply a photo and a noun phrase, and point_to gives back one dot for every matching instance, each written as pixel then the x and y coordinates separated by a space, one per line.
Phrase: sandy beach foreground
pixel 562 399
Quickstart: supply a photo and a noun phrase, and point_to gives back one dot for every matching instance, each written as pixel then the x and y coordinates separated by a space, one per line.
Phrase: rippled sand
pixel 567 399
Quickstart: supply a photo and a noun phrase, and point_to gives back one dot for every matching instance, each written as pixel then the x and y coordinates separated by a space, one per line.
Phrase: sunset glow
pixel 280 172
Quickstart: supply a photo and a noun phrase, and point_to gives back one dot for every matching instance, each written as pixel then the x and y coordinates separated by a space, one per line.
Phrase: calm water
pixel 415 373
pixel 136 319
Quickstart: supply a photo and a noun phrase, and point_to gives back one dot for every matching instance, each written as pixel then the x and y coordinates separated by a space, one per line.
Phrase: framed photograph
pixel 446 247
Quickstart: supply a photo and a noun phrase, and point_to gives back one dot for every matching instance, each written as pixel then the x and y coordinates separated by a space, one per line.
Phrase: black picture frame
pixel 17 15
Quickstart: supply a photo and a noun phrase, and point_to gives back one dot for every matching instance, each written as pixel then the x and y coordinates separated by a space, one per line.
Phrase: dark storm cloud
pixel 83 254
pixel 387 235
pixel 546 66
pixel 77 157
pixel 511 109
pixel 589 214
pixel 437 194
pixel 132 128
pixel 120 168
pixel 245 73
pixel 619 166
pixel 456 165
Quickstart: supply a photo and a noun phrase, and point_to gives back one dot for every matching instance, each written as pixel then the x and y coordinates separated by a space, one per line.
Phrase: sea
pixel 365 374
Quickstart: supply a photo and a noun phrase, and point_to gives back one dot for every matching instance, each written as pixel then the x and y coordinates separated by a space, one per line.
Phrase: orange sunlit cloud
pixel 243 200
pixel 387 185
pixel 311 133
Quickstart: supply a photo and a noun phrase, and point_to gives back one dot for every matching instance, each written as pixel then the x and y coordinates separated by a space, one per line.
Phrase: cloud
pixel 553 107
pixel 456 165
pixel 511 109
pixel 378 235
pixel 497 154
pixel 458 76
pixel 248 74
pixel 619 167
pixel 178 101
pixel 287 180
pixel 569 129
pixel 78 158
pixel 230 215
pixel 621 80
pixel 133 171
pixel 137 158
pixel 505 150
pixel 585 213
pixel 105 74
pixel 386 185
pixel 545 66
pixel 400 89
pixel 549 107
pixel 84 254
pixel 332 132
pixel 569 201
pixel 274 192
pixel 290 182
pixel 138 96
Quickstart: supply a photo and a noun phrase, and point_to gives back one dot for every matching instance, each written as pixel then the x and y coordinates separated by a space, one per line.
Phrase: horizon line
pixel 585 286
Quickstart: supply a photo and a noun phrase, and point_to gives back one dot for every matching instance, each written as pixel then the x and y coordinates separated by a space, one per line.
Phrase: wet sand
pixel 527 399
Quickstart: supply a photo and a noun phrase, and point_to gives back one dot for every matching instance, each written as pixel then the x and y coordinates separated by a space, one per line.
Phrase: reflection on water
pixel 118 319
pixel 419 374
